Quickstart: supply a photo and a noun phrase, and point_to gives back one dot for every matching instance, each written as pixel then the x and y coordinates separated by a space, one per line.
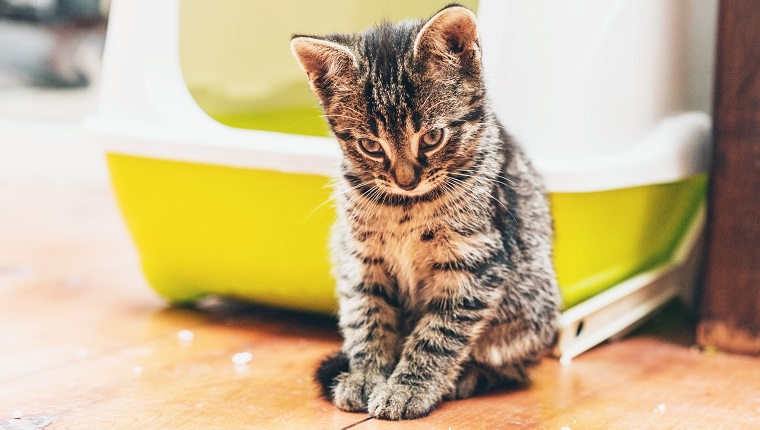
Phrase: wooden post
pixel 730 302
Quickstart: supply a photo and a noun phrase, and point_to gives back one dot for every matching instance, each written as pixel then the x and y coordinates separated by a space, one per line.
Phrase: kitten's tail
pixel 328 371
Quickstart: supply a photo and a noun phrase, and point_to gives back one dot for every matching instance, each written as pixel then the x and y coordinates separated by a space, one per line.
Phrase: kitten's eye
pixel 371 147
pixel 431 139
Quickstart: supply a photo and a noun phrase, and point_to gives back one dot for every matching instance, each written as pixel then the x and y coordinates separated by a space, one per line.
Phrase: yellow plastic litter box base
pixel 263 236
pixel 203 229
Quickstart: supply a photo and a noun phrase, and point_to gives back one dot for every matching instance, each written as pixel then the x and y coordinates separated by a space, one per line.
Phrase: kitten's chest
pixel 406 248
pixel 403 262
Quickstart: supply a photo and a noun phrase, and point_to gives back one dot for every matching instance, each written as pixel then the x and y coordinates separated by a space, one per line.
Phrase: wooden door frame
pixel 730 298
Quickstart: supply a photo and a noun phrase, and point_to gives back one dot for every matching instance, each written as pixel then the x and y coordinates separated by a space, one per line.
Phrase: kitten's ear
pixel 450 37
pixel 327 64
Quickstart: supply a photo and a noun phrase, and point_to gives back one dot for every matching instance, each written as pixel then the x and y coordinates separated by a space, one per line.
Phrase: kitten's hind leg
pixel 506 352
pixel 474 379
pixel 477 379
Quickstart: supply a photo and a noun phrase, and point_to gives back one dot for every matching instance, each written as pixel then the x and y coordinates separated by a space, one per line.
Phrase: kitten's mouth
pixel 388 192
pixel 422 189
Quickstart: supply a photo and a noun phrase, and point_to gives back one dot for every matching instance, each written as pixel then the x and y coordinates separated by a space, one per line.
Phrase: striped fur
pixel 442 255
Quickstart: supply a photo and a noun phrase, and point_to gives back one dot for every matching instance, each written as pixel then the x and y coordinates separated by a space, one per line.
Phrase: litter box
pixel 225 189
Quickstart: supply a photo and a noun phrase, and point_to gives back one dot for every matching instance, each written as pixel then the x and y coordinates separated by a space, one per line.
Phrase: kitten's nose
pixel 407 177
pixel 411 185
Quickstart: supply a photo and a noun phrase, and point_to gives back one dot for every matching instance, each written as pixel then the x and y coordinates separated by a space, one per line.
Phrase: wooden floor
pixel 86 345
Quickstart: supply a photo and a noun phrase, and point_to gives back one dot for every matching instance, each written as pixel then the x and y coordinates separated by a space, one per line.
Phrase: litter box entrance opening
pixel 236 60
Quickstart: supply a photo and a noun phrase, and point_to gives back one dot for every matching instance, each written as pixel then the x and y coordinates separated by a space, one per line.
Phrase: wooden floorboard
pixel 85 344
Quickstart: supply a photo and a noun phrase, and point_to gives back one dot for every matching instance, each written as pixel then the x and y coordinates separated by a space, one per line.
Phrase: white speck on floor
pixel 137 370
pixel 660 409
pixel 242 358
pixel 565 428
pixel 185 336
pixel 17 415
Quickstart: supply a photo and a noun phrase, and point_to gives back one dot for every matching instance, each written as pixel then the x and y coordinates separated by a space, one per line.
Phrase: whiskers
pixel 367 188
pixel 499 179
pixel 458 193
pixel 484 183
pixel 370 192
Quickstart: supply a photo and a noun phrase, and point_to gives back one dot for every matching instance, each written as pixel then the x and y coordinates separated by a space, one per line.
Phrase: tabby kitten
pixel 442 248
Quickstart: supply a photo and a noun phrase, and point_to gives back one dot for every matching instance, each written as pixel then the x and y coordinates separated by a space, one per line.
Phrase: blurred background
pixel 50 54
pixel 51 43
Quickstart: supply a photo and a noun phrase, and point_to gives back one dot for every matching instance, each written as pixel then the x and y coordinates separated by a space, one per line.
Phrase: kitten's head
pixel 406 101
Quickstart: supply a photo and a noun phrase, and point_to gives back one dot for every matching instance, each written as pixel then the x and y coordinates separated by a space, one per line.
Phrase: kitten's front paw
pixel 394 401
pixel 352 391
